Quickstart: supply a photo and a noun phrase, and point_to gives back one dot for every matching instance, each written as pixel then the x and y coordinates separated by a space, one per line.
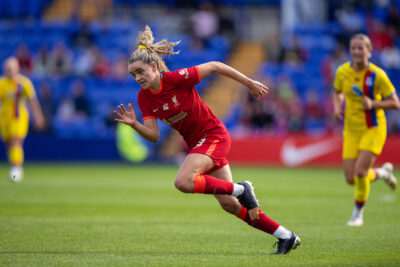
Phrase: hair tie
pixel 142 47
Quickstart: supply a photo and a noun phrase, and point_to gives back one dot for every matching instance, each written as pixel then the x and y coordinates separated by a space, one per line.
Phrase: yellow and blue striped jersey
pixel 372 82
pixel 13 95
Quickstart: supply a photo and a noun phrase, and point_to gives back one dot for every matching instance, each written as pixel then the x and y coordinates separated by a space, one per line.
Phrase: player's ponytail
pixel 148 51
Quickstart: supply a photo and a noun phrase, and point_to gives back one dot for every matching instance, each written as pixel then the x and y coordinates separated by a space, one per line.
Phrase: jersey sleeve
pixel 384 84
pixel 145 108
pixel 185 77
pixel 28 89
pixel 338 82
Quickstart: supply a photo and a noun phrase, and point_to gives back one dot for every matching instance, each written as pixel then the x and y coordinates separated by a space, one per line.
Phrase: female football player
pixel 15 89
pixel 171 96
pixel 367 92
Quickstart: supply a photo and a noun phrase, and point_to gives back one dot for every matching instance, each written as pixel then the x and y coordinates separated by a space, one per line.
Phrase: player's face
pixel 359 51
pixel 11 68
pixel 144 74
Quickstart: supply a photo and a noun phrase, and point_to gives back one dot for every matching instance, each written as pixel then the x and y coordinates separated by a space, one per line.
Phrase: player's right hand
pixel 338 114
pixel 126 116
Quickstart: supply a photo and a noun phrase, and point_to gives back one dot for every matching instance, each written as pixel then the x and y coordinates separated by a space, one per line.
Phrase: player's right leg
pixel 348 168
pixel 8 131
pixel 286 240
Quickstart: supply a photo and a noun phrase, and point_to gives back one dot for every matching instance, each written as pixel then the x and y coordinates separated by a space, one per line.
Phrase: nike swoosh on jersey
pixel 295 156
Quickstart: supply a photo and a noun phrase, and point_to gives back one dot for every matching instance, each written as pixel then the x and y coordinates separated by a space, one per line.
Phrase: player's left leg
pixel 287 240
pixel 16 158
pixel 191 179
pixel 363 175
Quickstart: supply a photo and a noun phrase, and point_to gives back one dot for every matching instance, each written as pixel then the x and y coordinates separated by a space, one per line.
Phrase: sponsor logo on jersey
pixel 176 103
pixel 176 118
pixel 155 110
pixel 184 72
pixel 165 106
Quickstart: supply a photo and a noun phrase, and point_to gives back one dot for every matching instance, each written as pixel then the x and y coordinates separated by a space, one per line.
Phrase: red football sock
pixel 206 184
pixel 264 223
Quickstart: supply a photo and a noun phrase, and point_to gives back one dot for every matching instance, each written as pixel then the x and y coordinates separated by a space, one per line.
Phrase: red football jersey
pixel 178 104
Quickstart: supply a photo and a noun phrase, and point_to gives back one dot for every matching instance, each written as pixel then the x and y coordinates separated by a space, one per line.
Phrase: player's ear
pixel 154 66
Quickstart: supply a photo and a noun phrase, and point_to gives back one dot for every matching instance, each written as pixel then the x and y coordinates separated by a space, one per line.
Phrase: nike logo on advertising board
pixel 295 156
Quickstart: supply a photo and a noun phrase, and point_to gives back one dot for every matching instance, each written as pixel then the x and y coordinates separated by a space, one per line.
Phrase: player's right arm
pixel 148 130
pixel 338 95
pixel 338 98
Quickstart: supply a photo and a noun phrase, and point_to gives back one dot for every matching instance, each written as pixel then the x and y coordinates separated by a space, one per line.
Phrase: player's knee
pixel 361 172
pixel 350 179
pixel 183 184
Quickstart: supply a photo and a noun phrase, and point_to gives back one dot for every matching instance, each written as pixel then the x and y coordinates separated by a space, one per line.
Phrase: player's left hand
pixel 258 89
pixel 39 124
pixel 367 103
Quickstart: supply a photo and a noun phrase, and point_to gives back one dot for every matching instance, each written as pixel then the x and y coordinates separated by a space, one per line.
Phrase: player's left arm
pixel 390 100
pixel 256 88
pixel 29 92
pixel 37 112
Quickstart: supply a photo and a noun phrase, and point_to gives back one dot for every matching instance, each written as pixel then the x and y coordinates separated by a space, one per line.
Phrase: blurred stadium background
pixel 76 54
pixel 78 213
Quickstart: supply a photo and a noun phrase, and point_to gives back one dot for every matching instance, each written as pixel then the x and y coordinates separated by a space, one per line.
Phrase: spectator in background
pixel 390 57
pixel 380 36
pixel 25 59
pixel 332 62
pixel 81 103
pixel 119 71
pixel 350 21
pixel 83 38
pixel 85 62
pixel 314 120
pixel 41 62
pixel 290 104
pixel 65 110
pixel 205 23
pixel 394 19
pixel 262 116
pixel 226 24
pixel 101 65
pixel 60 60
pixel 170 22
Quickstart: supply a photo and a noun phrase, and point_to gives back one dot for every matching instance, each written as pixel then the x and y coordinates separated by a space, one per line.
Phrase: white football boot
pixel 356 218
pixel 16 174
pixel 389 178
pixel 355 221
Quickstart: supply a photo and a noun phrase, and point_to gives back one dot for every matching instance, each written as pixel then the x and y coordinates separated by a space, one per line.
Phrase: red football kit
pixel 178 104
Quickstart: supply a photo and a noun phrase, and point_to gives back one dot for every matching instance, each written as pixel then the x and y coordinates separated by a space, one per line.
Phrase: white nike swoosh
pixel 294 156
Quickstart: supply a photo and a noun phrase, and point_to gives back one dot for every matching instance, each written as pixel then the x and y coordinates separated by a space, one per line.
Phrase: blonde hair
pixel 148 51
pixel 364 38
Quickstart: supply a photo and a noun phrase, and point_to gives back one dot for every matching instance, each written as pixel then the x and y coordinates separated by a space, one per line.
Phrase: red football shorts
pixel 216 147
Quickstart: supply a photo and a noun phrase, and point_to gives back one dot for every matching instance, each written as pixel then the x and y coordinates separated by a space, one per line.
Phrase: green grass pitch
pixel 122 215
